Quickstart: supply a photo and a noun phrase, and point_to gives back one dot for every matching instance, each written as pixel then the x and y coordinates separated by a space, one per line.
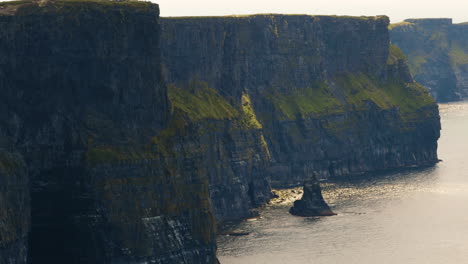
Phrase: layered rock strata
pixel 83 178
pixel 329 95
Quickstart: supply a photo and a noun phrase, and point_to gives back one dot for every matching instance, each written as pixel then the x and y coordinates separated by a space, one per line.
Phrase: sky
pixel 397 10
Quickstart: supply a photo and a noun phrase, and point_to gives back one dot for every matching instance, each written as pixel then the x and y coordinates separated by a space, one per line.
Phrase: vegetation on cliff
pixel 352 92
pixel 317 100
pixel 458 54
pixel 71 7
pixel 436 53
pixel 199 102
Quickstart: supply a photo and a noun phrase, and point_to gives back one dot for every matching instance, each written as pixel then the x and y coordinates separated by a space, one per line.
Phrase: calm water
pixel 417 216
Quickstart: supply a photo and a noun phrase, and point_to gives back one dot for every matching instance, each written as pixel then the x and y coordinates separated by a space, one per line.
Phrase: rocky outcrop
pixel 437 54
pixel 312 202
pixel 308 94
pixel 83 105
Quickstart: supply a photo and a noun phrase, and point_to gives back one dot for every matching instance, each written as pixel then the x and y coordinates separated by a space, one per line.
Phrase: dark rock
pixel 14 208
pixel 82 104
pixel 312 202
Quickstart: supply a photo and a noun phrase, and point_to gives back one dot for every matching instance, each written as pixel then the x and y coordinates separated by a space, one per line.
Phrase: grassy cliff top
pixel 430 21
pixel 268 15
pixel 400 24
pixel 18 7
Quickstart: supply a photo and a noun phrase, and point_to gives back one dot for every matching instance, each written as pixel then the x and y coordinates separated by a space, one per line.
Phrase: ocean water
pixel 412 216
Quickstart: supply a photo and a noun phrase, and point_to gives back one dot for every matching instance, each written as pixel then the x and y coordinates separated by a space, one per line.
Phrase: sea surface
pixel 412 216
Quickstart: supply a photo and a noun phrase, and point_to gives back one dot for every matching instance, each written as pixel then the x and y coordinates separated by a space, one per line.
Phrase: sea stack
pixel 312 202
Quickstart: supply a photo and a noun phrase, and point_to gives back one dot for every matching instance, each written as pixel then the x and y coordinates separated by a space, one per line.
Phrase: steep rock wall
pixel 437 52
pixel 15 208
pixel 83 102
pixel 227 141
pixel 330 95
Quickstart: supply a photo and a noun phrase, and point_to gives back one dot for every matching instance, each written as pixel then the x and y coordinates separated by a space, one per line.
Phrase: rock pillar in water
pixel 312 202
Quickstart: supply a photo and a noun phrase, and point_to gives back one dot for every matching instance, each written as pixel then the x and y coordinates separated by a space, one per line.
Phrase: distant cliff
pixel 437 52
pixel 83 177
pixel 297 95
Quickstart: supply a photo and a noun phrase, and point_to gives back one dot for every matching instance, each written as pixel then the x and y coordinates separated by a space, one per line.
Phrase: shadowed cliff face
pixel 437 55
pixel 15 208
pixel 328 94
pixel 82 103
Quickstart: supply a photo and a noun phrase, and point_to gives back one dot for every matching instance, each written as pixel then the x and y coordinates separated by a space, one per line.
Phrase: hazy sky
pixel 397 10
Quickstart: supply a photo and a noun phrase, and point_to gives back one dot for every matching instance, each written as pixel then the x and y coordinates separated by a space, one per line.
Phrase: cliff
pixel 83 178
pixel 437 52
pixel 102 162
pixel 299 95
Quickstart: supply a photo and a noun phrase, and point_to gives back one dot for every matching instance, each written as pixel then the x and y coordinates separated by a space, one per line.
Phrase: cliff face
pixel 437 54
pixel 83 103
pixel 15 208
pixel 101 162
pixel 328 94
pixel 234 160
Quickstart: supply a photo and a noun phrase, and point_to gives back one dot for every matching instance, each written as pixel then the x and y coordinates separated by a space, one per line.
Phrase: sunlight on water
pixel 415 216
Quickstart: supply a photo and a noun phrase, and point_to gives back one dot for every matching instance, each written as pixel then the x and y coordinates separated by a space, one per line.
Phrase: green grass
pixel 249 118
pixel 201 102
pixel 400 25
pixel 359 89
pixel 272 15
pixel 7 3
pixel 457 55
pixel 105 155
pixel 351 91
pixel 415 62
pixel 316 99
pixel 101 2
pixel 135 4
pixel 395 55
pixel 8 163
pixel 64 6
pixel 407 97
